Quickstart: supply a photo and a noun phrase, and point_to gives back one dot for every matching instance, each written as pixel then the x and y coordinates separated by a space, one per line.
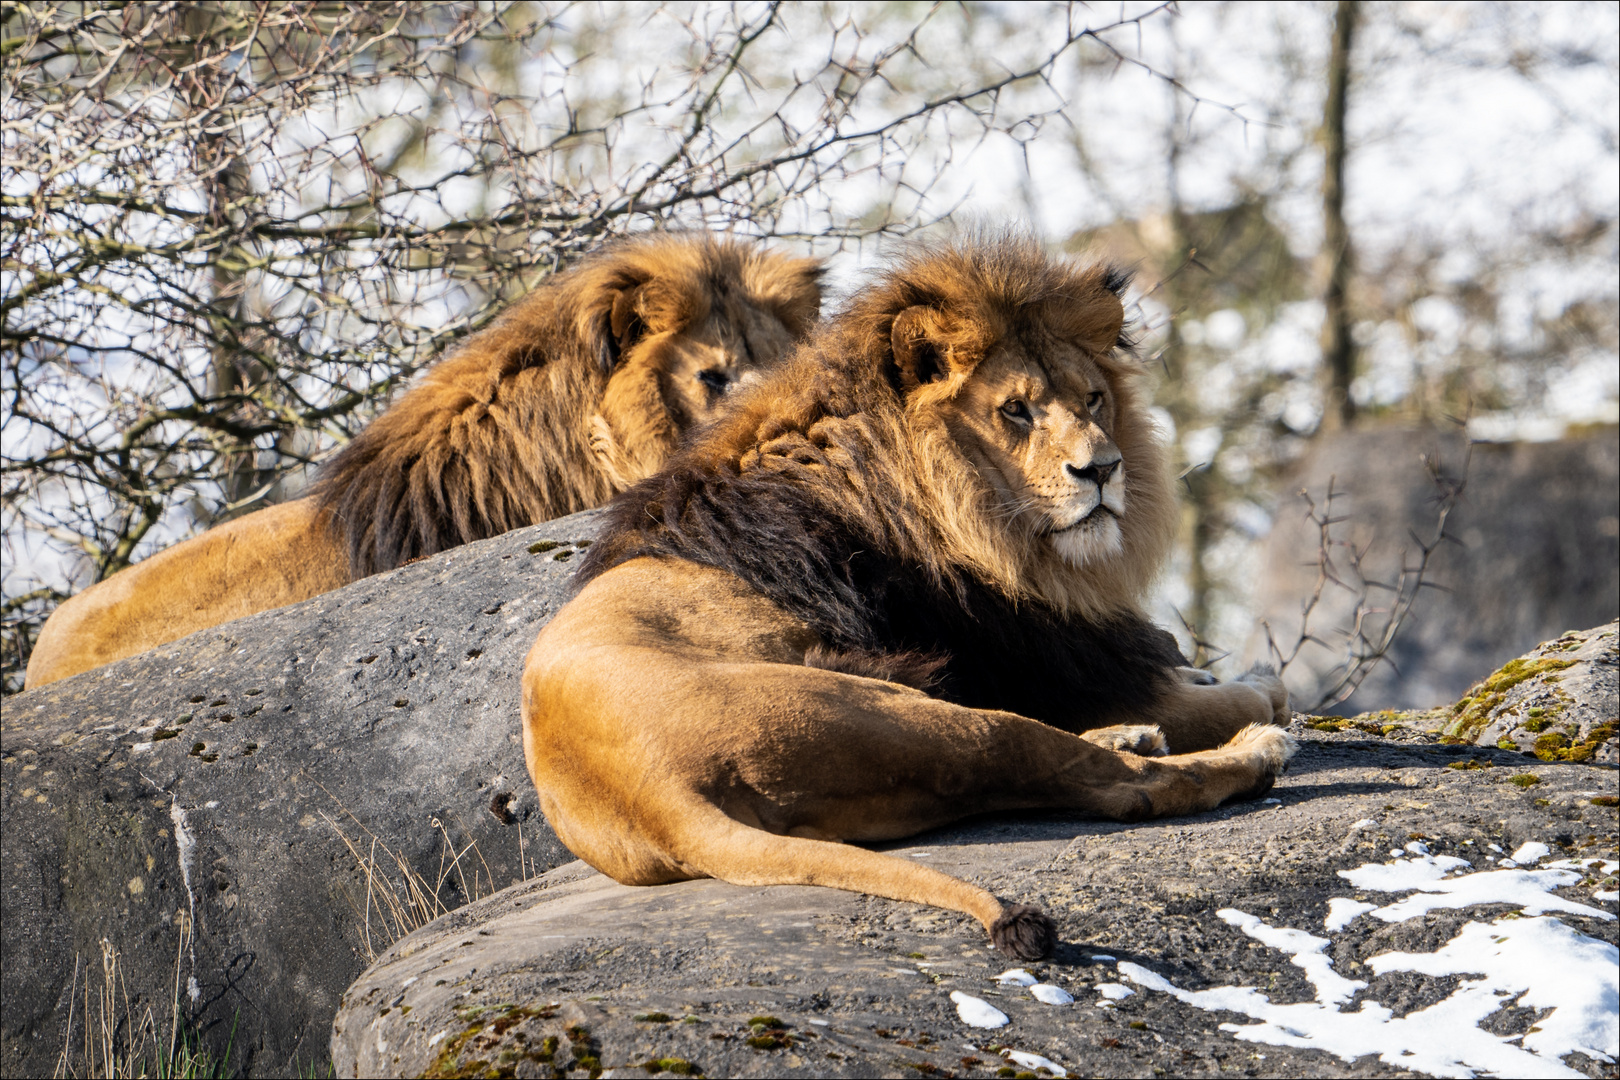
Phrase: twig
pixel 1373 628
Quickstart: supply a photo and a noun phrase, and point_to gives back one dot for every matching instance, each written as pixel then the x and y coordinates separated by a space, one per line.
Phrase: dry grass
pixel 116 1042
pixel 398 899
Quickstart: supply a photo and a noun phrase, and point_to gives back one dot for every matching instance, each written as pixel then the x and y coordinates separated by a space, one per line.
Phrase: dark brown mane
pixel 813 492
pixel 498 436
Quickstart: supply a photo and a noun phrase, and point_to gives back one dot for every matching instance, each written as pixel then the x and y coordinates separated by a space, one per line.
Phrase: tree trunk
pixel 1338 350
pixel 1179 397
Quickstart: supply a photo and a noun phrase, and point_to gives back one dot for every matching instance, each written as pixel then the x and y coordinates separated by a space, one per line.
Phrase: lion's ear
pixel 624 326
pixel 918 341
pixel 790 288
pixel 1093 315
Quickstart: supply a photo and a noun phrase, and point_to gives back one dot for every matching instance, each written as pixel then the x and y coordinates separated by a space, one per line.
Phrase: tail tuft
pixel 1023 932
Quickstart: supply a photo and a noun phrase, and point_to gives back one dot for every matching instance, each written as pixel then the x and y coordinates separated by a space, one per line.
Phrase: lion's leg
pixel 862 760
pixel 1200 716
pixel 1146 740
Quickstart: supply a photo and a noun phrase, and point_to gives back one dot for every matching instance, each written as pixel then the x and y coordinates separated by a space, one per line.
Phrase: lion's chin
pixel 1091 540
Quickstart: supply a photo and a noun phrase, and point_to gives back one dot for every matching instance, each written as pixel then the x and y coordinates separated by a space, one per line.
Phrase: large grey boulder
pixel 295 789
pixel 1534 551
pixel 572 972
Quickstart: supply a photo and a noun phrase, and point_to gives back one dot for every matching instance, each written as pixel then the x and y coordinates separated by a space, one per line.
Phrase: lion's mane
pixel 498 435
pixel 836 494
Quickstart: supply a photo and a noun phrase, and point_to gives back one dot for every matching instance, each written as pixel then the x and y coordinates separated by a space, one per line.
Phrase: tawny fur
pixel 726 696
pixel 580 389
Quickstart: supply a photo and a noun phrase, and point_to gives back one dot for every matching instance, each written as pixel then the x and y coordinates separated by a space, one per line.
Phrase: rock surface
pixel 211 783
pixel 1536 552
pixel 242 818
pixel 1557 703
pixel 571 969
pixel 1560 702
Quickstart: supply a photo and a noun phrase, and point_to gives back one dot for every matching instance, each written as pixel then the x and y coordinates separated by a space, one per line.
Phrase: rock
pixel 1557 703
pixel 702 976
pixel 238 782
pixel 1534 550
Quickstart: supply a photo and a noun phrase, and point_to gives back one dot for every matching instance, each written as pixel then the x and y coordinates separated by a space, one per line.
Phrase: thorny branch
pixel 231 230
pixel 1372 626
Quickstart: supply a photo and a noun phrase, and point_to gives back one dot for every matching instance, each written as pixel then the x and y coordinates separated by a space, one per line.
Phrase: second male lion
pixel 583 387
pixel 900 583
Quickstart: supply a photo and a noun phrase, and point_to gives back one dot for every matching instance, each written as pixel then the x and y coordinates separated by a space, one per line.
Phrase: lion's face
pixel 697 366
pixel 1034 409
pixel 678 344
pixel 1039 433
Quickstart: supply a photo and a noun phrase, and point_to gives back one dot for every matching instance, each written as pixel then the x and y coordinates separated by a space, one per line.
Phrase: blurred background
pixel 1375 243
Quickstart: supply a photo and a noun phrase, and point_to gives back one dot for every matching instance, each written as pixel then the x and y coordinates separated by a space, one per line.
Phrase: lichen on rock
pixel 1558 702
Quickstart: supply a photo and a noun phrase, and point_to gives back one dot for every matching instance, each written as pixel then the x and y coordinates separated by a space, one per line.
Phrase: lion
pixel 900 583
pixel 580 389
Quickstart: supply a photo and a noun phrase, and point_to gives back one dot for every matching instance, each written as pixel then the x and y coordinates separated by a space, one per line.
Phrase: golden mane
pixel 841 421
pixel 510 429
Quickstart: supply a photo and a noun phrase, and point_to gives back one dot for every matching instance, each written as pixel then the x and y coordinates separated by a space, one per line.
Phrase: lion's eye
pixel 1094 400
pixel 714 380
pixel 1016 410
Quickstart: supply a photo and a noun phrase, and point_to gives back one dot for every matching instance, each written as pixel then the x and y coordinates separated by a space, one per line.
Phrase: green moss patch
pixel 1376 724
pixel 768 1033
pixel 1524 780
pixel 477 1050
pixel 1571 747
pixel 1473 712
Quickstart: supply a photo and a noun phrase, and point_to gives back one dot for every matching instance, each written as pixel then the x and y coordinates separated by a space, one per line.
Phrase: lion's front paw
pixel 1274 747
pixel 1265 680
pixel 1144 740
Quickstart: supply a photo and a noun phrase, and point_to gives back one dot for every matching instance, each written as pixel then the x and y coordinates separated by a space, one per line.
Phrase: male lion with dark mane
pixel 901 582
pixel 580 389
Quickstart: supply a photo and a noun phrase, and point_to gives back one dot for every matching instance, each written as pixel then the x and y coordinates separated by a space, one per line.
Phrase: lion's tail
pixel 724 848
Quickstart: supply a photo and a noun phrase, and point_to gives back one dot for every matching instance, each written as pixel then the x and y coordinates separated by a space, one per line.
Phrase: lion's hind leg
pixel 720 847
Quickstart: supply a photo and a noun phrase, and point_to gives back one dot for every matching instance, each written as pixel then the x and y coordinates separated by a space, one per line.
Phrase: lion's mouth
pixel 1091 518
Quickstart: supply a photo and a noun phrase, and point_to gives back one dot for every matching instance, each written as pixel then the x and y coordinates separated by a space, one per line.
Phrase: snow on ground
pixel 1035 1061
pixel 1426 877
pixel 977 1012
pixel 1533 963
pixel 1016 977
pixel 1112 992
pixel 1051 994
pixel 1342 911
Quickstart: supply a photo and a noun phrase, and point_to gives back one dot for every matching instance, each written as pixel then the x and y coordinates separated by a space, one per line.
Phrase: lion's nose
pixel 1097 472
